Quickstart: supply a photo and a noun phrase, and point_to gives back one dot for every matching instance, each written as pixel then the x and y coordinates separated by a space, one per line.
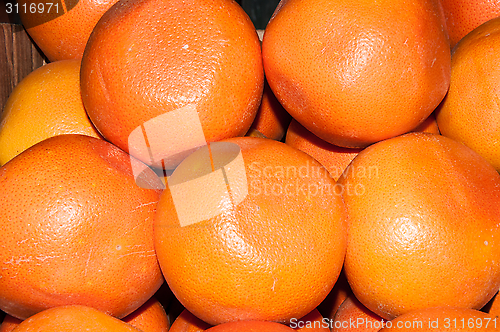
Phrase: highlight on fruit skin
pixel 355 73
pixel 423 224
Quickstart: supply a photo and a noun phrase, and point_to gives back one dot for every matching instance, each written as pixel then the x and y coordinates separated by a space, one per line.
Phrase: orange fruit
pixel 45 103
pixel 187 322
pixel 470 112
pixel 357 72
pixel 250 326
pixel 443 319
pixel 353 316
pixel 272 119
pixel 76 229
pixel 150 317
pixel 209 60
pixel 71 318
pixel 429 125
pixel 312 322
pixel 334 158
pixel 268 248
pixel 422 222
pixel 61 30
pixel 464 16
pixel 9 323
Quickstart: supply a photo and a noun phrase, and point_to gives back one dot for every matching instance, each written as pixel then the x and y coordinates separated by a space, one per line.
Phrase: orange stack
pixel 170 170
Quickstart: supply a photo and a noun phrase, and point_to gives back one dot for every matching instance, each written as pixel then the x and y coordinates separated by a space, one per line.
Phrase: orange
pixel 150 317
pixel 148 58
pixel 312 322
pixel 334 158
pixel 429 125
pixel 187 322
pixel 255 133
pixel 357 72
pixel 61 29
pixel 470 113
pixel 75 229
pixel 268 248
pixel 9 323
pixel 272 119
pixel 422 223
pixel 45 103
pixel 250 326
pixel 353 316
pixel 463 16
pixel 71 318
pixel 443 319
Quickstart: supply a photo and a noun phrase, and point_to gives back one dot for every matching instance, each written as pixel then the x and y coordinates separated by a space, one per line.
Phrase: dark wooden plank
pixel 6 62
pixel 18 58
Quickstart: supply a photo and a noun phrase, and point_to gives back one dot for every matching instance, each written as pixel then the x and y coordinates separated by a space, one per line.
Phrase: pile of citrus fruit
pixel 173 169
